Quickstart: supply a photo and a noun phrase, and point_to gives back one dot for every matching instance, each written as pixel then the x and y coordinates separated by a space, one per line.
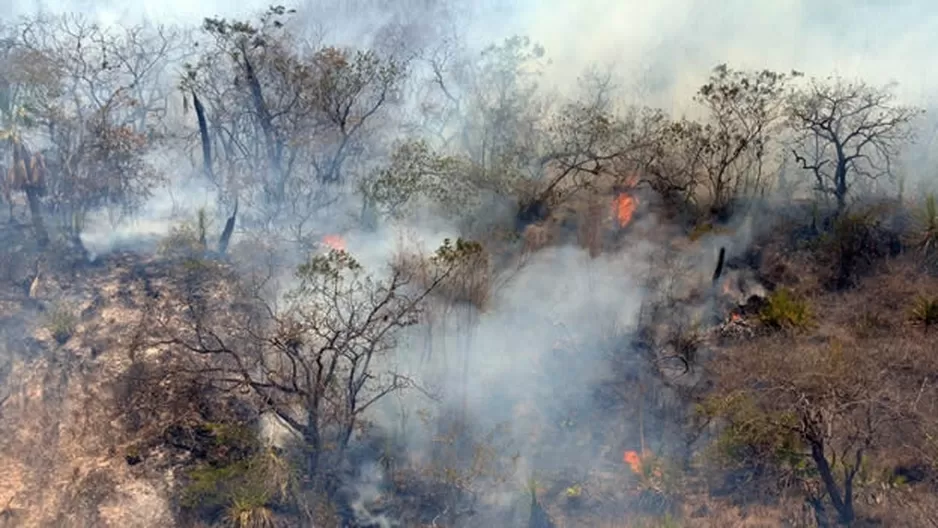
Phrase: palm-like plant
pixel 926 233
pixel 925 312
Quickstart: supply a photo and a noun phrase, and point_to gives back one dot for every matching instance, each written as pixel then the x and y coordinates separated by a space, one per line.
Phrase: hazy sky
pixel 678 40
pixel 674 42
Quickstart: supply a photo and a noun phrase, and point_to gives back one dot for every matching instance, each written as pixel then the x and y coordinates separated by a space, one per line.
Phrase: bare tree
pixel 847 131
pixel 28 80
pixel 516 140
pixel 744 109
pixel 488 111
pixel 832 406
pixel 293 118
pixel 721 157
pixel 95 100
pixel 319 362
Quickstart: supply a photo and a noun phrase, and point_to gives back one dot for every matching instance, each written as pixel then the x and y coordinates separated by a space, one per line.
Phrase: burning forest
pixel 298 267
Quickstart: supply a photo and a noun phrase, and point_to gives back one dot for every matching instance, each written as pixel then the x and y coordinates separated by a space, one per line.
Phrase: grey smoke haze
pixel 664 48
pixel 660 52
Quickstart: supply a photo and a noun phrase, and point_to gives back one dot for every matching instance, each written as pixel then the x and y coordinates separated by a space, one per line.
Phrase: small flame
pixel 735 317
pixel 634 460
pixel 636 463
pixel 334 242
pixel 624 208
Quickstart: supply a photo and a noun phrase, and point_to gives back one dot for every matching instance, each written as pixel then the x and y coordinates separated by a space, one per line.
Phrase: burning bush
pixel 624 206
pixel 658 483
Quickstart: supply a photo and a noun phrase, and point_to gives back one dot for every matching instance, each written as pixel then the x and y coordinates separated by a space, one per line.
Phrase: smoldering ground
pixel 520 375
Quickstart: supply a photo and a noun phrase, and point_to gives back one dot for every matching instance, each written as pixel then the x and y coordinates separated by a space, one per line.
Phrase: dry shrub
pixel 470 278
pixel 858 342
pixel 535 237
pixel 706 228
pixel 870 323
pixel 882 304
pixel 856 242
pixel 590 228
pixel 187 238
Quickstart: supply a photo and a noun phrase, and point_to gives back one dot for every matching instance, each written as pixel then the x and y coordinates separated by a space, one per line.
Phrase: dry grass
pixel 880 305
pixel 67 429
pixel 871 327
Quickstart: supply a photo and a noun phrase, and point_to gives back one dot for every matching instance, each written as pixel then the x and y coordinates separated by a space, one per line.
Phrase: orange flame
pixel 636 463
pixel 334 242
pixel 735 317
pixel 634 460
pixel 624 208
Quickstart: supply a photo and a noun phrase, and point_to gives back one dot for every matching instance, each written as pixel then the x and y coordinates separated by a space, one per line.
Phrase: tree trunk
pixel 229 229
pixel 843 504
pixel 313 441
pixel 272 142
pixel 840 180
pixel 848 515
pixel 369 216
pixel 203 133
pixel 35 210
pixel 820 514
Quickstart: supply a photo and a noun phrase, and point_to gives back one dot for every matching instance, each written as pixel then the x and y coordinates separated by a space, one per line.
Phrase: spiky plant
pixel 249 513
pixel 926 233
pixel 61 323
pixel 925 312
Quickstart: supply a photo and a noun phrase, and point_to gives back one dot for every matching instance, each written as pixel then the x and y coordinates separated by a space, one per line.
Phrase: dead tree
pixel 718 272
pixel 229 229
pixel 203 134
pixel 846 131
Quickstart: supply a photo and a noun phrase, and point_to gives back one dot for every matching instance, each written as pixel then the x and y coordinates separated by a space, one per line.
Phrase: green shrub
pixel 784 310
pixel 754 445
pixel 61 323
pixel 240 477
pixel 925 311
